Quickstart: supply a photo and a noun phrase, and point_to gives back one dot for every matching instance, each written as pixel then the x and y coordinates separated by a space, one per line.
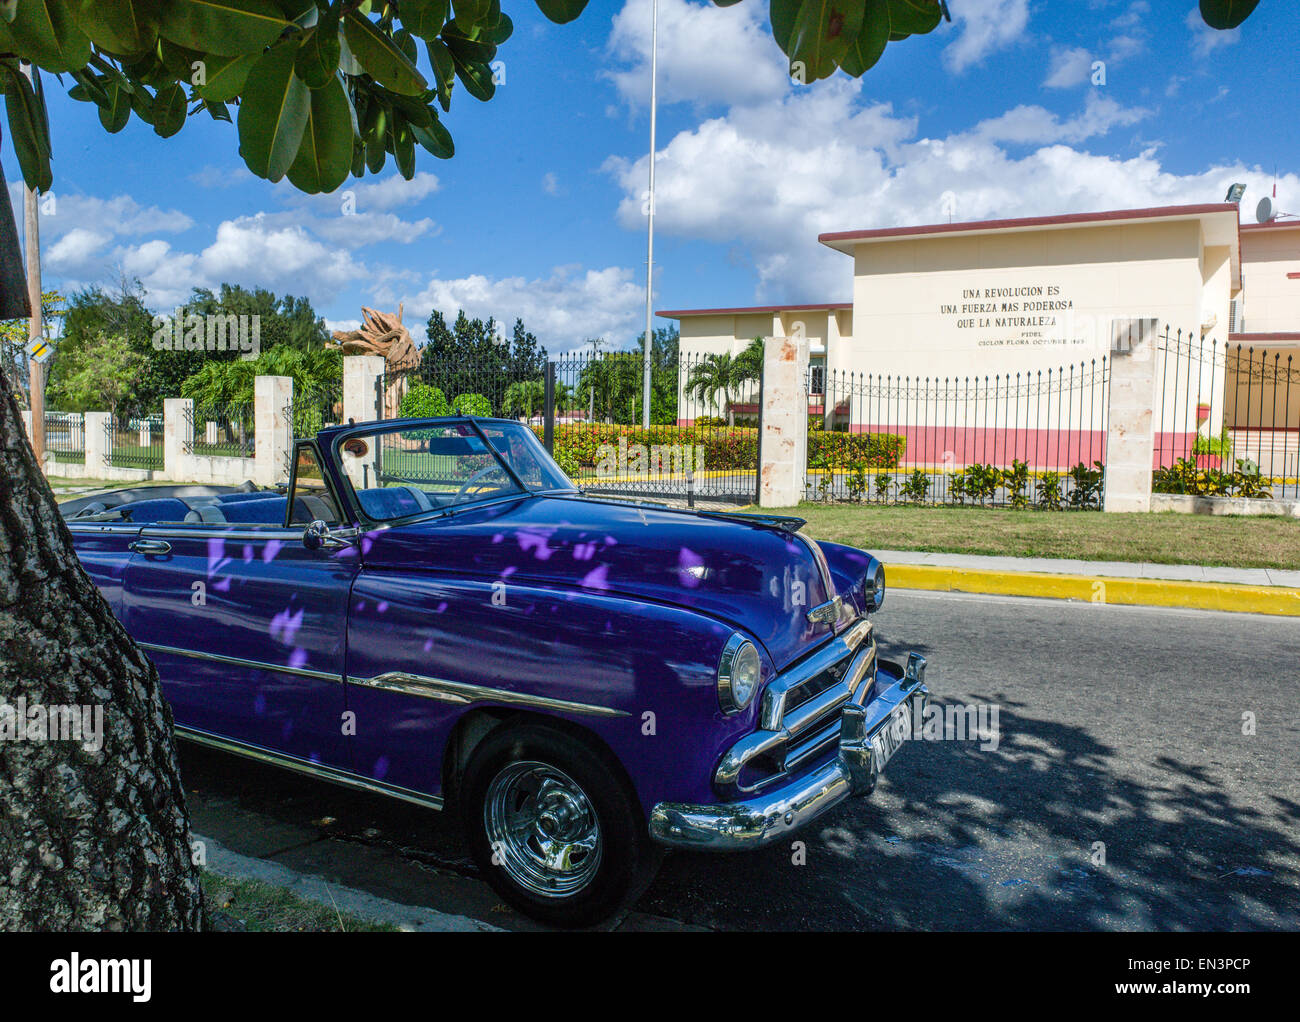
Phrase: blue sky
pixel 539 213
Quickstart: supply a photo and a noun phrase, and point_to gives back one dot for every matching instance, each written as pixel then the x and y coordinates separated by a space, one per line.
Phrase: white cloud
pixel 1033 125
pixel 825 160
pixel 563 309
pixel 1205 40
pixel 256 251
pixel 706 54
pixel 372 196
pixel 1068 67
pixel 986 26
pixel 75 249
pixel 550 183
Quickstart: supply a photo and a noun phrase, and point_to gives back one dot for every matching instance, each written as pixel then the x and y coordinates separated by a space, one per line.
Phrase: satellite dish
pixel 1266 211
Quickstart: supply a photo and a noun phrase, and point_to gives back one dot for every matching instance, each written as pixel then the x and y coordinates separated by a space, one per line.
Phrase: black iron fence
pixel 1227 417
pixel 1029 439
pixel 224 431
pixel 134 441
pixel 65 436
pixel 702 442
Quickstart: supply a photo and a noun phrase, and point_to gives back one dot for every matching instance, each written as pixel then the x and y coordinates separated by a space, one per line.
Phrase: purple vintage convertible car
pixel 434 612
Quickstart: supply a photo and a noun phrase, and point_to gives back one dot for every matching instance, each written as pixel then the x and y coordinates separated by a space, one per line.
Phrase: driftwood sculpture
pixel 383 334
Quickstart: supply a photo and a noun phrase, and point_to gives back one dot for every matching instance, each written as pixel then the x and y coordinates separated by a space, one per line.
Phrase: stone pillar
pixel 272 429
pixel 1130 436
pixel 210 432
pixel 784 441
pixel 363 398
pixel 97 449
pixel 178 435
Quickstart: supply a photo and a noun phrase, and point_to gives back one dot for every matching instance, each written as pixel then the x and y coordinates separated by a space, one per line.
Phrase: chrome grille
pixel 799 720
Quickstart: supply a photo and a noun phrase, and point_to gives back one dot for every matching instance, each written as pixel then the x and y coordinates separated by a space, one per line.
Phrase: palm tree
pixel 722 373
pixel 525 396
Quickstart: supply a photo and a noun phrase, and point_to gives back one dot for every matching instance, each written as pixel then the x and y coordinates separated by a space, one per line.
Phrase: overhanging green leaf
pixel 119 26
pixel 115 114
pixel 325 154
pixel 169 109
pixel 915 17
pixel 822 33
pixel 865 51
pixel 318 57
pixel 228 27
pixel 424 18
pixel 382 58
pixel 561 11
pixel 273 114
pixel 44 33
pixel 1226 14
pixel 26 131
pixel 224 76
pixel 436 139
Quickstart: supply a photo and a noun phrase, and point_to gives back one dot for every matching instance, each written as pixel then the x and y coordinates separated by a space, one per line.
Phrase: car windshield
pixel 396 473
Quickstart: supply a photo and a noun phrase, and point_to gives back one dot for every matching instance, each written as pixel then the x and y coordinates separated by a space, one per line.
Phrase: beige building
pixel 994 298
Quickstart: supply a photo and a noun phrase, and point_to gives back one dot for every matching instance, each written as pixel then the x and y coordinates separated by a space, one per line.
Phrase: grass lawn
pixel 264 908
pixel 1166 538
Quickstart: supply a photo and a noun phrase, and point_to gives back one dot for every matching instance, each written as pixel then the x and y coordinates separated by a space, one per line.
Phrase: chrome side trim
pixel 235 661
pixel 317 770
pixel 463 693
pixel 216 530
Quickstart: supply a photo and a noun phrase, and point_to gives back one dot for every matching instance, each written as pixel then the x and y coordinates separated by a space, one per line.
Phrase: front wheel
pixel 551 827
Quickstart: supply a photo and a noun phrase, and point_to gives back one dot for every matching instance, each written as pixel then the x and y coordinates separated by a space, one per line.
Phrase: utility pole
pixel 32 244
pixel 650 243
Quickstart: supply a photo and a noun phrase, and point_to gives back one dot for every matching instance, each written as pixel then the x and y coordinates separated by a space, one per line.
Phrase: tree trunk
pixel 89 840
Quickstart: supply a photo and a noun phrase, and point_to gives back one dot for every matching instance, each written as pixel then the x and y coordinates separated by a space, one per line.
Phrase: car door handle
pixel 150 546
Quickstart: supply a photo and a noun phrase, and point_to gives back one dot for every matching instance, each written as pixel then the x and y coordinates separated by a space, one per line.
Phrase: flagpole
pixel 650 236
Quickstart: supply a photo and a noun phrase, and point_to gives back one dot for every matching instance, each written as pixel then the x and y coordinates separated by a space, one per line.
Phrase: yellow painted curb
pixel 1148 592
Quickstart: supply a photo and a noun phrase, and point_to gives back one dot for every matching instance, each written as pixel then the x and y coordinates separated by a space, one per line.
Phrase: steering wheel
pixel 465 487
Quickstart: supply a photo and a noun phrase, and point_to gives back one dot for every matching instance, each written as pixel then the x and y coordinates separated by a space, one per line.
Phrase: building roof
pixel 1273 225
pixel 754 310
pixel 1214 217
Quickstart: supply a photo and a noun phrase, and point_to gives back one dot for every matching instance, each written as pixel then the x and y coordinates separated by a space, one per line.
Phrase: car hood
pixel 753 575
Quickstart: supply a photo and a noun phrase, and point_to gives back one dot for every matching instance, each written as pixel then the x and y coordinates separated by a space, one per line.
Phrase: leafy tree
pixel 283 322
pixel 524 397
pixel 232 384
pixel 97 376
pixel 471 356
pixel 324 89
pixel 13 340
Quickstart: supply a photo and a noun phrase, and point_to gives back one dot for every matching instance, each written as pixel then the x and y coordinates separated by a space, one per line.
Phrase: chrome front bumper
pixel 735 826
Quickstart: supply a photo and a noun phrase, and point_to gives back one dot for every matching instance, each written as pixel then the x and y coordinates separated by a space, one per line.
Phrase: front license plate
pixel 896 731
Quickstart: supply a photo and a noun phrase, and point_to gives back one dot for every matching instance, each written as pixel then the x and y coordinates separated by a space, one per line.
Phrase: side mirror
pixel 318 534
pixel 315 535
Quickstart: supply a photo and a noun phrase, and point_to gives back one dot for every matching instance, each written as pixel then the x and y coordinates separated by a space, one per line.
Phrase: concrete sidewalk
pixel 1237 590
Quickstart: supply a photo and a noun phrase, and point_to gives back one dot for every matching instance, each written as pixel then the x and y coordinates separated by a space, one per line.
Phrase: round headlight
pixel 739 672
pixel 878 588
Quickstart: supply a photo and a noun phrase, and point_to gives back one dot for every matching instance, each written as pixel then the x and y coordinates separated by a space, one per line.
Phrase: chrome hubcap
pixel 542 828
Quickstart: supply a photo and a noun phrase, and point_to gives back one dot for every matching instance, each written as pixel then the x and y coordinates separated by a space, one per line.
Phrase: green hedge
pixel 727 448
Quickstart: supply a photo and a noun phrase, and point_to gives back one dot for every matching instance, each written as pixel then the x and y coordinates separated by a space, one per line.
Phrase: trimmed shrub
pixel 472 404
pixel 423 401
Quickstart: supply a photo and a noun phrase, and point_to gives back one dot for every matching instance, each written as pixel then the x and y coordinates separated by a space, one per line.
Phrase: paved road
pixel 1118 725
